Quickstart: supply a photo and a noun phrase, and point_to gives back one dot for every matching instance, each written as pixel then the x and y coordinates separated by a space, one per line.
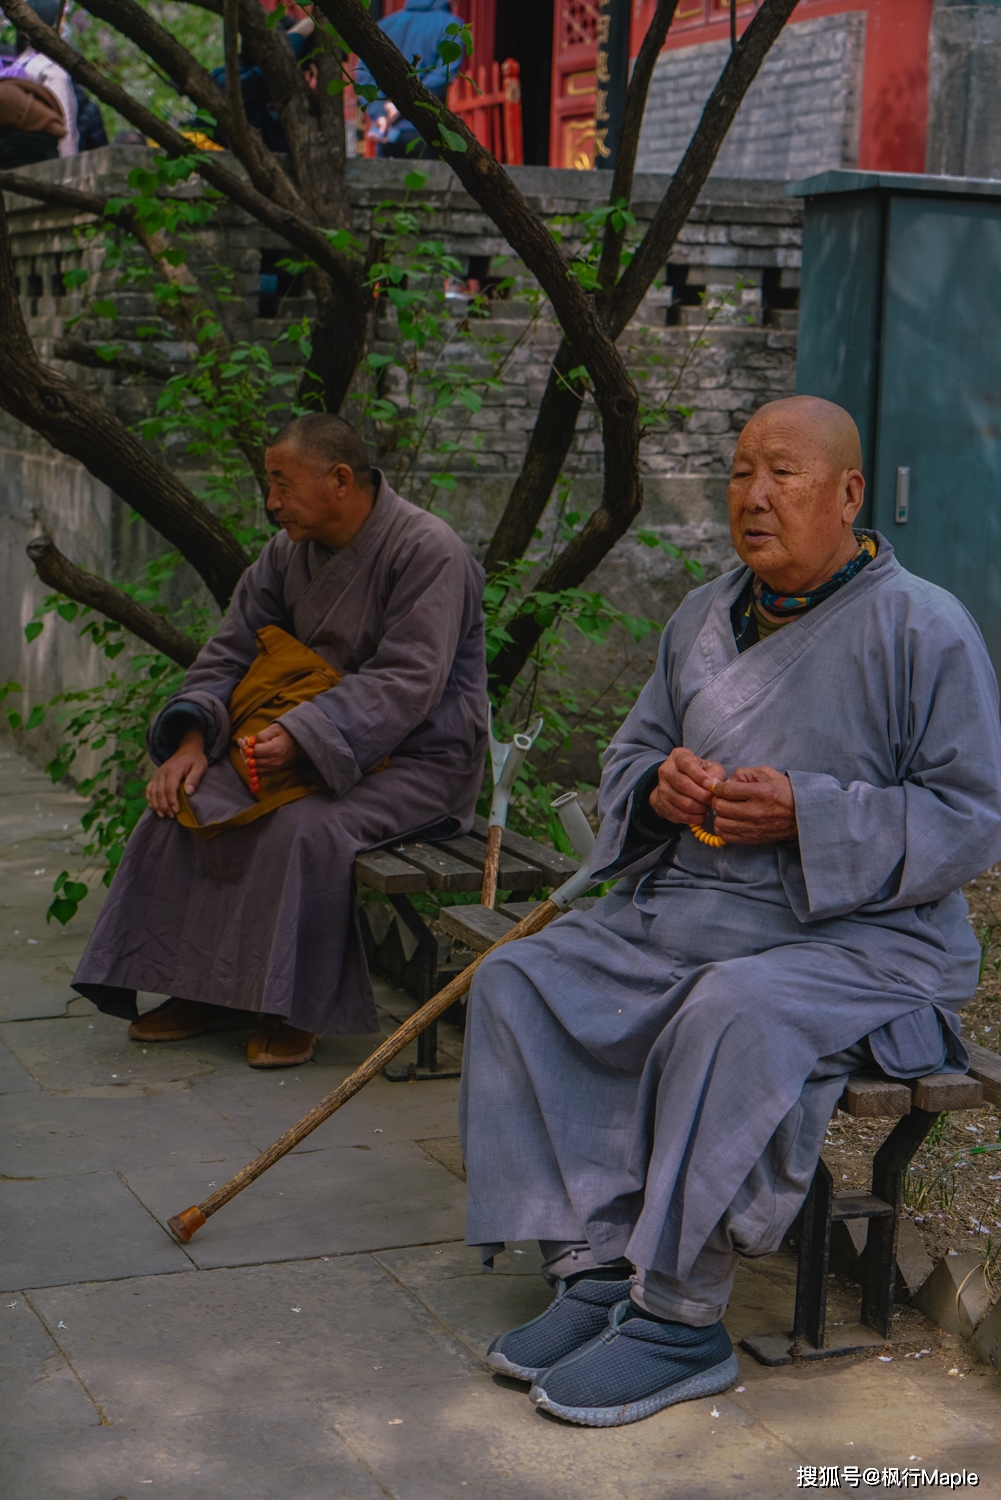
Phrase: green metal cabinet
pixel 900 322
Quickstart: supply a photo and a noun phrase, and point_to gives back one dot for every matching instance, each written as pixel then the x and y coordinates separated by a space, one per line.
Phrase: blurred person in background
pixel 38 103
pixel 418 31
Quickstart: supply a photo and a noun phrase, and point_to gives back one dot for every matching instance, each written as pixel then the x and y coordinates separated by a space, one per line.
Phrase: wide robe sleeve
pixel 353 727
pixel 865 848
pixel 627 843
pixel 223 661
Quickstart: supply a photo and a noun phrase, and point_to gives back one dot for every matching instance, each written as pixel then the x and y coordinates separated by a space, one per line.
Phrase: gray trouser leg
pixel 563 1258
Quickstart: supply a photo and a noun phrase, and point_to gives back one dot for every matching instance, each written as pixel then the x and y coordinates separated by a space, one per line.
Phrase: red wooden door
pixel 575 54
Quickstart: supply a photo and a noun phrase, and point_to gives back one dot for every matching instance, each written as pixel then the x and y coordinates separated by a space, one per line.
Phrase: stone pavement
pixel 321 1338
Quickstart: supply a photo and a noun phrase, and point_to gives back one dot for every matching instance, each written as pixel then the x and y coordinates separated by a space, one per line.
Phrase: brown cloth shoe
pixel 276 1044
pixel 176 1020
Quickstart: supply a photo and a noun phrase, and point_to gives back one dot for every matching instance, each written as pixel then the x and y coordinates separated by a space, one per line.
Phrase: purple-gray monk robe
pixel 262 917
pixel 636 1077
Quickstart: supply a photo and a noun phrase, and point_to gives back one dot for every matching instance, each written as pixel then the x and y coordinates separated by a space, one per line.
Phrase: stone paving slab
pixel 15 1079
pixel 66 1229
pixel 287 1452
pixel 482 1437
pixel 39 1391
pixel 159 1347
pixel 264 1105
pixel 326 1202
pixel 58 1136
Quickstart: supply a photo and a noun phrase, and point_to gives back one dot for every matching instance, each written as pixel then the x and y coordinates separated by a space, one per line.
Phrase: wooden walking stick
pixel 505 762
pixel 186 1223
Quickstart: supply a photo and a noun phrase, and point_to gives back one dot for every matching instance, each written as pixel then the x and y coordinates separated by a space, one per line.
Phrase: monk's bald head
pixel 795 490
pixel 816 422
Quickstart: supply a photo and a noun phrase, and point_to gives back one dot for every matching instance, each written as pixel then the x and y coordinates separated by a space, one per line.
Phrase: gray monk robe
pixel 261 917
pixel 652 1079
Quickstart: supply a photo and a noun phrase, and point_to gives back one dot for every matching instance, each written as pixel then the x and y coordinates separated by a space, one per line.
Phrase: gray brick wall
pixel 801 114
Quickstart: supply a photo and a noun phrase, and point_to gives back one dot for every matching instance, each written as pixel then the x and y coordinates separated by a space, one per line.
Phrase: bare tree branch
pixel 75 423
pixel 59 573
pixel 291 225
pixel 238 125
pixel 79 352
pixel 560 407
pixel 486 180
pixel 185 311
pixel 629 137
pixel 697 162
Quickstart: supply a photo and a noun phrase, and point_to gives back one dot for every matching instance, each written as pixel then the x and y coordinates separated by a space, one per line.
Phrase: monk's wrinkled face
pixel 313 500
pixel 795 490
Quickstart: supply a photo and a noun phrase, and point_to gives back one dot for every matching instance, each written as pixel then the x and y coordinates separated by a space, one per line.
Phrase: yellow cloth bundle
pixel 284 674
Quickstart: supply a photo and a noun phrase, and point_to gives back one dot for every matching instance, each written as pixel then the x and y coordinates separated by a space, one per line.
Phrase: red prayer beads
pixel 253 775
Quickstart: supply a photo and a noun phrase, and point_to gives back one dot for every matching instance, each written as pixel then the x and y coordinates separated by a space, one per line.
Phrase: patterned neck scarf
pixel 794 604
pixel 757 592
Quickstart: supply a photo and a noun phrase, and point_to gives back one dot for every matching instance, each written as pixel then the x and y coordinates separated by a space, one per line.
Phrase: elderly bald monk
pixel 647 1085
pixel 341 705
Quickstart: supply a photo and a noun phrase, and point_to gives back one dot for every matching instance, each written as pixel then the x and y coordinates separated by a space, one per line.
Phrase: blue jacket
pixel 417 30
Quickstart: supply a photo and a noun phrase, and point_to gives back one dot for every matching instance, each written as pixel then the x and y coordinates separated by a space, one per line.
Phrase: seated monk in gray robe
pixel 253 922
pixel 647 1085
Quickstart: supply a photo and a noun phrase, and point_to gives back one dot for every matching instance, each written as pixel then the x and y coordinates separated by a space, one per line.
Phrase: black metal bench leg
pixel 879 1270
pixel 421 979
pixel 810 1316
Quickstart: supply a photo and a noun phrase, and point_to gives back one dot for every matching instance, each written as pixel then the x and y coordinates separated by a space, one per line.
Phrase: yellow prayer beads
pixel 703 835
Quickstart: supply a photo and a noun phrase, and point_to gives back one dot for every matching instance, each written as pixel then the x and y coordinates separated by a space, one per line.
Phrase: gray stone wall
pixel 964 90
pixel 801 114
pixel 718 340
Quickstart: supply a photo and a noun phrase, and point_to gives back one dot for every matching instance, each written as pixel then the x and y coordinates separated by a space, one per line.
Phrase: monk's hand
pixel 185 767
pixel 756 806
pixel 275 749
pixel 684 787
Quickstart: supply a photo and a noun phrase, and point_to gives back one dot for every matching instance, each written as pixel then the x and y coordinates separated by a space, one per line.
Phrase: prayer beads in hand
pixel 252 773
pixel 703 835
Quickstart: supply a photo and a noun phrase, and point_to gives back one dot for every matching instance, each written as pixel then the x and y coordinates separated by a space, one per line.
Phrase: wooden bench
pixel 407 952
pixel 915 1104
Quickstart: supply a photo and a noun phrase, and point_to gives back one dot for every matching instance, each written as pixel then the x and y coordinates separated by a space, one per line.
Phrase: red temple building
pixel 846 85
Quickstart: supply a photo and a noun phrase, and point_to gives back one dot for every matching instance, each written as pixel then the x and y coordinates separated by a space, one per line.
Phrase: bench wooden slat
pixel 444 871
pixel 476 926
pixel 521 909
pixel 868 1098
pixel 940 1091
pixel 985 1067
pixel 513 874
pixel 555 867
pixel 389 874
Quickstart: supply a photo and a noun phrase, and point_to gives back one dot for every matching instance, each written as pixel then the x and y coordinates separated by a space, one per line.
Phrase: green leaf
pixel 33 629
pixel 13 719
pixel 104 308
pixel 337 86
pixel 62 910
pixel 67 610
pixel 36 717
pixel 415 181
pixel 449 51
pixel 276 15
pixel 453 141
pixel 75 278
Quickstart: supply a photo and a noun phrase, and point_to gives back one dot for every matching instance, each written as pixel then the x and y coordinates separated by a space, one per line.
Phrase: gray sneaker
pixel 577 1314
